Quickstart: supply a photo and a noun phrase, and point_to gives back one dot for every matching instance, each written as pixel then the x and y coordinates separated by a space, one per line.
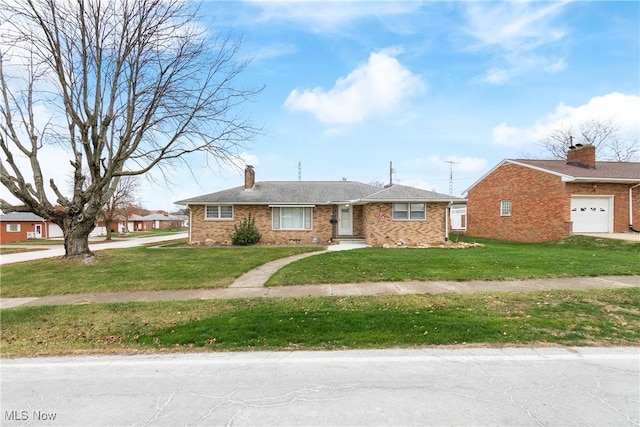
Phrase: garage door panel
pixel 591 214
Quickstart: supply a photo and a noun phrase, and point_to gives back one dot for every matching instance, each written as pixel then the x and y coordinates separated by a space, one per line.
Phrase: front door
pixel 345 220
pixel 38 234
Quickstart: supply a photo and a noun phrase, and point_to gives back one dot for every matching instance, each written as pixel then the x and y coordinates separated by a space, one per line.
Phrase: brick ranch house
pixel 544 200
pixel 309 212
pixel 18 226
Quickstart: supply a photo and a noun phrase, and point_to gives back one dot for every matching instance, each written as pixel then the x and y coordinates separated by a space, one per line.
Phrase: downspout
pixel 446 222
pixel 190 220
pixel 631 209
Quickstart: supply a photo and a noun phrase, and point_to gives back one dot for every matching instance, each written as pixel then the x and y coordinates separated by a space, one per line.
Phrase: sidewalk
pixel 343 289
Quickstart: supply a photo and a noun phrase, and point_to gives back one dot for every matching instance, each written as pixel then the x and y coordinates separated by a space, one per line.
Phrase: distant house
pixel 17 226
pixel 322 211
pixel 542 200
pixel 164 220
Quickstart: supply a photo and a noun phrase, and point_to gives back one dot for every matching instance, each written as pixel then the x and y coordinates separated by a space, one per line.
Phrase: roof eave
pixel 603 180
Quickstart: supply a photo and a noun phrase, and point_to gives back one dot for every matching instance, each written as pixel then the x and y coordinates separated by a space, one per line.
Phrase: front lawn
pixel 497 260
pixel 139 269
pixel 182 267
pixel 572 318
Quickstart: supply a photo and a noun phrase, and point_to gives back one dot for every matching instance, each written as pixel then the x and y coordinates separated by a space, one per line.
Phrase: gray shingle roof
pixel 20 216
pixel 315 193
pixel 402 192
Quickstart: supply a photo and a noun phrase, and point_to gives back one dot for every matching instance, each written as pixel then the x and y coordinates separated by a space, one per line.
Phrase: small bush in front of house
pixel 247 233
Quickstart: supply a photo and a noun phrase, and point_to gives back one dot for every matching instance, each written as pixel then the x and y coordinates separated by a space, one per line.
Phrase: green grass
pixel 139 268
pixel 574 318
pixel 36 242
pixel 15 250
pixel 497 260
pixel 151 233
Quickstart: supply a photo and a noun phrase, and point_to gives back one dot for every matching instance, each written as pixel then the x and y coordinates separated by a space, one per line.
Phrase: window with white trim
pixel 13 228
pixel 292 218
pixel 409 211
pixel 218 212
pixel 505 207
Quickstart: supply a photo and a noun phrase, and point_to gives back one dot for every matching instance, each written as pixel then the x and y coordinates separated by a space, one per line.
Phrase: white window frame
pixel 277 218
pixel 215 213
pixel 505 207
pixel 13 228
pixel 410 212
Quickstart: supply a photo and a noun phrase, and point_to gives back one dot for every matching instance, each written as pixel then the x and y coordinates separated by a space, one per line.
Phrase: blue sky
pixel 353 86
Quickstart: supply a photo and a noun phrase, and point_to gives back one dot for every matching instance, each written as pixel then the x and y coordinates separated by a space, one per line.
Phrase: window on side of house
pixel 292 218
pixel 13 228
pixel 505 208
pixel 218 212
pixel 406 211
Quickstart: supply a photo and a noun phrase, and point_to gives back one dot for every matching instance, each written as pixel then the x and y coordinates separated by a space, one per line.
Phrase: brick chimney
pixel 249 177
pixel 582 155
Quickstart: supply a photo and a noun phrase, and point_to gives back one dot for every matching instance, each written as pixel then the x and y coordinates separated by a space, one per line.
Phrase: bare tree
pixel 121 203
pixel 130 85
pixel 604 135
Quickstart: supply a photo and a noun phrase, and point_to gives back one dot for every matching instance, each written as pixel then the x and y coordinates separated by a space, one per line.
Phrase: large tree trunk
pixel 76 232
pixel 107 224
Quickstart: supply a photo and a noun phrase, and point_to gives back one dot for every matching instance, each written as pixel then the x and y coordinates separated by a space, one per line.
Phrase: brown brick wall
pixel 379 228
pixel 540 206
pixel 220 231
pixel 367 223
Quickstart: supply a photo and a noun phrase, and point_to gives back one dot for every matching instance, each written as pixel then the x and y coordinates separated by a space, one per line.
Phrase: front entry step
pixel 346 243
pixel 350 240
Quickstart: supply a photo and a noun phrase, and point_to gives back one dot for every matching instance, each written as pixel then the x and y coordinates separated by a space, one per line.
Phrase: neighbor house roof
pixel 602 171
pixel 21 216
pixel 315 193
pixel 620 172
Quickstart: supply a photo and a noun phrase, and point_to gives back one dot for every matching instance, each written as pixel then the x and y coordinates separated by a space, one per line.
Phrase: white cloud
pixel 374 89
pixel 514 25
pixel 623 110
pixel 516 30
pixel 328 16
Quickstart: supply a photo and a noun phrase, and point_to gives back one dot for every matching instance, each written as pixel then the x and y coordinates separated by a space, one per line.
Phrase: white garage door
pixel 591 214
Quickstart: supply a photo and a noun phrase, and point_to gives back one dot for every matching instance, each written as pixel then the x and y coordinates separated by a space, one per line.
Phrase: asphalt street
pixel 482 386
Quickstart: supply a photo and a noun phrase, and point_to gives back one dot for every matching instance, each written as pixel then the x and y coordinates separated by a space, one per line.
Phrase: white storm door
pixel 345 220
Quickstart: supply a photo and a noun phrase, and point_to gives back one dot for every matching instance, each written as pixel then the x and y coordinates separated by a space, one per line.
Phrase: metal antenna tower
pixel 299 171
pixel 451 163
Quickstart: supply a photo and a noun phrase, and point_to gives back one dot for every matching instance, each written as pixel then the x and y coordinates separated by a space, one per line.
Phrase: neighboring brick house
pixel 17 226
pixel 544 200
pixel 322 211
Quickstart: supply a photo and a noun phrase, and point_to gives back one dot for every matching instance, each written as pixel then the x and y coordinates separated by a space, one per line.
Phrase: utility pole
pixel 451 163
pixel 390 174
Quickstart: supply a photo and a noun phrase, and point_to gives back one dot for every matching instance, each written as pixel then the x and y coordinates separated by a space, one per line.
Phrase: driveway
pixel 631 237
pixel 58 250
pixel 466 386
